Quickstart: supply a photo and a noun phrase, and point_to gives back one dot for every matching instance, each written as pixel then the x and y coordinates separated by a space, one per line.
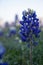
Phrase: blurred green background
pixel 17 52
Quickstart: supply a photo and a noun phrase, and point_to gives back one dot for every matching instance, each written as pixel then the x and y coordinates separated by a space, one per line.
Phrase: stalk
pixel 31 62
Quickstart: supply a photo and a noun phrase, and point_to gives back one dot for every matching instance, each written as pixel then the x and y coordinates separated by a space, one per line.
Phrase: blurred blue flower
pixel 2 51
pixel 5 63
pixel 12 31
pixel 1 32
pixel 29 25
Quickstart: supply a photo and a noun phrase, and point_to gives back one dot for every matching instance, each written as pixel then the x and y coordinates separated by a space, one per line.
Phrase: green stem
pixel 31 62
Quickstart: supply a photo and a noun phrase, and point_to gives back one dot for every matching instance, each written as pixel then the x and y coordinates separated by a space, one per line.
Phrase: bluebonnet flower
pixel 29 26
pixel 12 31
pixel 5 63
pixel 1 32
pixel 2 51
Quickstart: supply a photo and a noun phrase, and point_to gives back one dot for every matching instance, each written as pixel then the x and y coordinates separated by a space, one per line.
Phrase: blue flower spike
pixel 29 26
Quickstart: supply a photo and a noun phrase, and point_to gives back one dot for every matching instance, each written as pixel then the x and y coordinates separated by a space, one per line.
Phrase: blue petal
pixel 22 22
pixel 24 18
pixel 34 14
pixel 22 37
pixel 36 24
pixel 36 19
pixel 39 31
pixel 29 16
